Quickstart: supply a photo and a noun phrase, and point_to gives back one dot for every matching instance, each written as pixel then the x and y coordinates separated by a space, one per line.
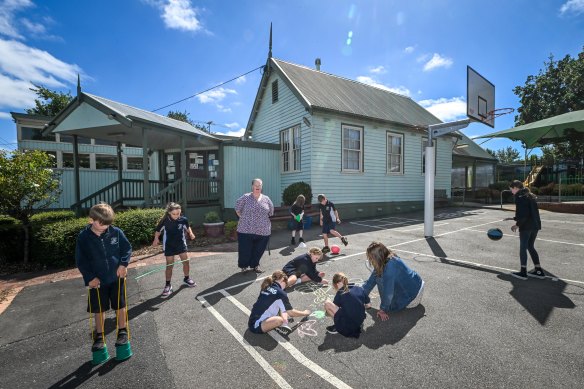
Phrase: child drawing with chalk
pixel 272 309
pixel 348 307
pixel 175 229
pixel 303 268
pixel 297 212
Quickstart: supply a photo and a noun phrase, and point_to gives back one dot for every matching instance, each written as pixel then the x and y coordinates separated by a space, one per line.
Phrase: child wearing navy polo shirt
pixel 348 307
pixel 175 229
pixel 303 268
pixel 102 255
pixel 272 309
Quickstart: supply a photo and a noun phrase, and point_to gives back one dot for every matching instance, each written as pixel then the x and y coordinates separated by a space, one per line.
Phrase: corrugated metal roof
pixel 329 92
pixel 471 149
pixel 130 112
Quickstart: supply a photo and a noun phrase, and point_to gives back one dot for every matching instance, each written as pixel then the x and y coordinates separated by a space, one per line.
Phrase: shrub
pixel 139 224
pixel 52 216
pixel 230 227
pixel 212 217
pixel 547 190
pixel 7 220
pixel 54 243
pixel 293 190
pixel 11 241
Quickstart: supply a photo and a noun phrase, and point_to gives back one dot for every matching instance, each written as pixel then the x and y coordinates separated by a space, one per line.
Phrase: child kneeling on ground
pixel 272 309
pixel 303 268
pixel 348 307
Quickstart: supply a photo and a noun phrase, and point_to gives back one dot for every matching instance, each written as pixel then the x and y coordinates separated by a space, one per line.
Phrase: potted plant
pixel 213 225
pixel 231 230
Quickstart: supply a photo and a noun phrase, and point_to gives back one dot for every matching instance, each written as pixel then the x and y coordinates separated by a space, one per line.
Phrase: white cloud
pixel 223 108
pixel 238 133
pixel 8 9
pixel 446 109
pixel 232 125
pixel 216 95
pixel 35 28
pixel 438 61
pixel 378 70
pixel 422 58
pixel 241 80
pixel 402 90
pixel 5 115
pixel 16 93
pixel 575 7
pixel 178 14
pixel 409 49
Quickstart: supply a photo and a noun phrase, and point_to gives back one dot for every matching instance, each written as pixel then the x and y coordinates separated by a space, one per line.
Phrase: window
pixel 395 154
pixel 106 162
pixel 69 139
pixel 134 163
pixel 29 133
pixel 274 91
pixel 424 144
pixel 290 145
pixel 103 142
pixel 83 160
pixel 352 148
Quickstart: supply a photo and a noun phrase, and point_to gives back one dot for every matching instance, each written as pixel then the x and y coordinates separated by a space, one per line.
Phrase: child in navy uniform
pixel 273 308
pixel 329 218
pixel 303 268
pixel 175 228
pixel 102 255
pixel 297 212
pixel 348 307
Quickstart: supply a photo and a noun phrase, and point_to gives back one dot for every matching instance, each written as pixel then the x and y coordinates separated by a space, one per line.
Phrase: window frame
pixel 361 150
pixel 275 92
pixel 392 134
pixel 291 149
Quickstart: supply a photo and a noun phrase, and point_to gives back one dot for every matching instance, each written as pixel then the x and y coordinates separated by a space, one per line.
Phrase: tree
pixel 508 155
pixel 27 183
pixel 50 102
pixel 557 89
pixel 184 117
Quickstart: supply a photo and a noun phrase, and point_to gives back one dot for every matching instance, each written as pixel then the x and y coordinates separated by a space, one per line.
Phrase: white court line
pixel 274 375
pixel 421 227
pixel 538 239
pixel 561 221
pixel 485 266
pixel 325 375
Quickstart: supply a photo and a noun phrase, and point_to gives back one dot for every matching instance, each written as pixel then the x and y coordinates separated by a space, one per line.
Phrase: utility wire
pixel 207 90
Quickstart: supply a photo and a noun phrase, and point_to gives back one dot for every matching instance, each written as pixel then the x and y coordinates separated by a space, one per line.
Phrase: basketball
pixel 495 234
pixel 335 249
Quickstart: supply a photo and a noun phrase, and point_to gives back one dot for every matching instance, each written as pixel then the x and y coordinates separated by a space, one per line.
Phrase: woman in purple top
pixel 254 228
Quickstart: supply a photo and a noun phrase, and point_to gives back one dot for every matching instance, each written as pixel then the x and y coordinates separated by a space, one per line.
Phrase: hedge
pixel 293 190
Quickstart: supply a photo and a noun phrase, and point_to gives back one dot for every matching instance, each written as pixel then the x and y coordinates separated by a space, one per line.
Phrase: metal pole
pixel 429 189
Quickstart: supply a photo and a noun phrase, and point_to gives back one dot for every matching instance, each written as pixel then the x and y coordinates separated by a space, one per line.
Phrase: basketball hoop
pixel 498 112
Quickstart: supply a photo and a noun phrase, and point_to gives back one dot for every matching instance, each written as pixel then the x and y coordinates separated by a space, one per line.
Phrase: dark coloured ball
pixel 495 234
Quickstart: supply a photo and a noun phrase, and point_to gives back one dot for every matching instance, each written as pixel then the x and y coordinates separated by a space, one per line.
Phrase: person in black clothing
pixel 102 255
pixel 272 308
pixel 329 218
pixel 528 222
pixel 348 307
pixel 303 268
pixel 297 212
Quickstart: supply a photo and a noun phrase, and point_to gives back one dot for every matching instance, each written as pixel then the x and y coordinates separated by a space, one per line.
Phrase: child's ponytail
pixel 338 277
pixel 276 276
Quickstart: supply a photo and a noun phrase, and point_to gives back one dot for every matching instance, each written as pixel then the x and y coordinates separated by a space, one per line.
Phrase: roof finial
pixel 270 52
pixel 78 85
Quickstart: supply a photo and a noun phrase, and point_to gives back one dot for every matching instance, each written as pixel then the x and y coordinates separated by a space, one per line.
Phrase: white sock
pixel 298 281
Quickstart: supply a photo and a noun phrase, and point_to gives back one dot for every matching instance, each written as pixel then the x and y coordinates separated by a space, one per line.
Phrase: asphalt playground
pixel 477 327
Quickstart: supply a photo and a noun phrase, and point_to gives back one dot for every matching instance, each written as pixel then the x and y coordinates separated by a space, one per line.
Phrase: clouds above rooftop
pixel 446 109
pixel 438 61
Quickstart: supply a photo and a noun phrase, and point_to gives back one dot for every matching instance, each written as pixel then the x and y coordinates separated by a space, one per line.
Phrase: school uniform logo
pixel 114 240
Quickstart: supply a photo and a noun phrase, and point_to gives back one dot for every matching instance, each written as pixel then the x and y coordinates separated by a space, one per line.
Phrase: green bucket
pixel 100 356
pixel 123 352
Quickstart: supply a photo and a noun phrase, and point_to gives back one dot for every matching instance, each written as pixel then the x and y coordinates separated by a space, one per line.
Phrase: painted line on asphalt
pixel 274 375
pixel 538 239
pixel 294 352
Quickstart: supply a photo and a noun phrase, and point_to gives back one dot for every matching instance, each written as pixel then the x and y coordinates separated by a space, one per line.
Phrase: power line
pixel 207 90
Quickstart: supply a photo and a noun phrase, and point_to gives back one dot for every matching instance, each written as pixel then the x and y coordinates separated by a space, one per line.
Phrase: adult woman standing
pixel 254 228
pixel 528 222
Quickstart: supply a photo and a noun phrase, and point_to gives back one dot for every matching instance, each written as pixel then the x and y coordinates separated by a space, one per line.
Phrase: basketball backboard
pixel 480 98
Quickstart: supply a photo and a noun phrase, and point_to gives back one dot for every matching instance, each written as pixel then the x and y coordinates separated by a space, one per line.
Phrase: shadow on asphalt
pixel 85 372
pixel 538 297
pixel 379 334
pixel 234 279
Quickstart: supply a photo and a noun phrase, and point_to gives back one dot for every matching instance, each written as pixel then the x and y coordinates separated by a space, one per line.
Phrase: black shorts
pixel 108 297
pixel 297 225
pixel 294 272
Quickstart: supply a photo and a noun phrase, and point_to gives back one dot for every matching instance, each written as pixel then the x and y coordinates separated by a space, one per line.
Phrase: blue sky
pixel 151 53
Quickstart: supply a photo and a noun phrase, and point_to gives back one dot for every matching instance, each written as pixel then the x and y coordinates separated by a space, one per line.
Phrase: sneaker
pixel 167 291
pixel 301 240
pixel 98 343
pixel 258 270
pixel 332 329
pixel 292 241
pixel 345 241
pixel 536 273
pixel 284 330
pixel 522 275
pixel 326 249
pixel 189 282
pixel 243 269
pixel 122 337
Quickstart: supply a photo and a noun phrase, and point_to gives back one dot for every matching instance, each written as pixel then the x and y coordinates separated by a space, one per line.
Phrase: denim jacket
pixel 397 286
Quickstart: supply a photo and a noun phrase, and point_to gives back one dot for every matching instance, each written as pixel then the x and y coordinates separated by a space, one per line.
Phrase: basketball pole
pixel 435 130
